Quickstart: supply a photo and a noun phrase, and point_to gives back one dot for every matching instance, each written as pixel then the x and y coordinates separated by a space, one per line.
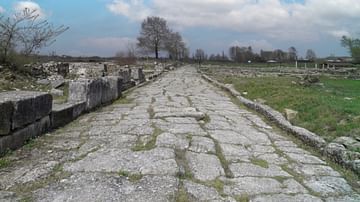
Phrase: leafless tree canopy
pixel 310 54
pixel 25 33
pixel 155 35
pixel 154 31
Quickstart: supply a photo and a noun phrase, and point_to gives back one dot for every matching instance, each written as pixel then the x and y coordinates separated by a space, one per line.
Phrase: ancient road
pixel 180 139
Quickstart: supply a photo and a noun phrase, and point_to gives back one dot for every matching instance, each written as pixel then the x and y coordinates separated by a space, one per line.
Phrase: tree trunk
pixel 156 52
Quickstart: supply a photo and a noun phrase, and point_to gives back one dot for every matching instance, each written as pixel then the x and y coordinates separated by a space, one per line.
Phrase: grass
pixel 223 161
pixel 259 162
pixel 151 144
pixel 133 177
pixel 242 198
pixel 11 80
pixel 124 100
pixel 4 162
pixel 330 110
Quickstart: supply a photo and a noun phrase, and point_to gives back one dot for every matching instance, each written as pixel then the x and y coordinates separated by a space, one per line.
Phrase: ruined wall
pixel 25 114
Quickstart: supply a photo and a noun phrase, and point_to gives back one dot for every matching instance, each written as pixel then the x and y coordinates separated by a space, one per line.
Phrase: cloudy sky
pixel 103 27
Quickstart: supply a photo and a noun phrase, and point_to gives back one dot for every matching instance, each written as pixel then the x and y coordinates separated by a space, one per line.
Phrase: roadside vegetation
pixel 330 108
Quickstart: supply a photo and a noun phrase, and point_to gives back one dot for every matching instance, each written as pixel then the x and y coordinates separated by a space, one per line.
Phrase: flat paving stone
pixel 198 192
pixel 109 187
pixel 205 167
pixel 248 169
pixel 172 141
pixel 285 197
pixel 156 161
pixel 329 186
pixel 260 185
pixel 202 145
pixel 230 137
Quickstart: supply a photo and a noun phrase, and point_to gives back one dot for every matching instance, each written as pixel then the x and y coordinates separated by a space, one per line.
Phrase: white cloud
pixel 21 5
pixel 133 9
pixel 2 10
pixel 270 18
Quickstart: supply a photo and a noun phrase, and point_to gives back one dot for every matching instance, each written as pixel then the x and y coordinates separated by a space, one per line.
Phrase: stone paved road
pixel 180 139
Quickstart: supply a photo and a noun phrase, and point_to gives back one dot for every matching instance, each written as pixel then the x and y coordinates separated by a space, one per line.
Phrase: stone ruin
pixel 26 114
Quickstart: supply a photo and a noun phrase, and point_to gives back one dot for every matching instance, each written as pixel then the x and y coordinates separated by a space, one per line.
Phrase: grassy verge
pixel 331 109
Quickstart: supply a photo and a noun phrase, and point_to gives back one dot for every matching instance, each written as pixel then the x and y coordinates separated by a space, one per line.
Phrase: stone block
pixel 28 106
pixel 96 91
pixel 19 137
pixel 65 113
pixel 125 74
pixel 78 90
pixel 138 75
pixel 111 89
pixel 6 110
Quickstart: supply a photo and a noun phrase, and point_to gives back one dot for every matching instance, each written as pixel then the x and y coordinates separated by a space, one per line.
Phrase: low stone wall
pixel 23 115
pixel 338 151
pixel 63 114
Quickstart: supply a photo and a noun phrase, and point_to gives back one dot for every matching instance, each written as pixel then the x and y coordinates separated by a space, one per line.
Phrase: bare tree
pixel 310 55
pixel 200 55
pixel 153 34
pixel 292 53
pixel 128 56
pixel 175 46
pixel 25 33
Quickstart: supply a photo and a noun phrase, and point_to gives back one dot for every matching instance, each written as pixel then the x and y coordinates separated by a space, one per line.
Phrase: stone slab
pixel 65 113
pixel 28 106
pixel 205 167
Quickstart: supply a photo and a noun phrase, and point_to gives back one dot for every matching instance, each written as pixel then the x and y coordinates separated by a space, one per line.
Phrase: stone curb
pixel 336 152
pixel 303 134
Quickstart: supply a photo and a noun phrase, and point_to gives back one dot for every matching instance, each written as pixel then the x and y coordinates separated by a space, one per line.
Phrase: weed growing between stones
pixel 181 195
pixel 242 198
pixel 184 169
pixel 132 177
pixel 217 184
pixel 151 112
pixel 299 178
pixel 223 161
pixel 25 190
pixel 170 99
pixel 151 144
pixel 4 162
pixel 189 101
pixel 259 162
pixel 123 100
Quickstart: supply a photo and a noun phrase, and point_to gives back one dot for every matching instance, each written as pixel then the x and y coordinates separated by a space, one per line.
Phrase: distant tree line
pixel 246 54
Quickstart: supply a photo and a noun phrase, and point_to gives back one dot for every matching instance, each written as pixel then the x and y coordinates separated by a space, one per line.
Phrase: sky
pixel 104 27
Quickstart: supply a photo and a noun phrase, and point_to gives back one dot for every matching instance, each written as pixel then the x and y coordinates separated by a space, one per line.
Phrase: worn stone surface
pixel 179 137
pixel 199 165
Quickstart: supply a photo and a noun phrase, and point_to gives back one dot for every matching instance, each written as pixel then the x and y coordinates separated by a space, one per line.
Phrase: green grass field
pixel 330 110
